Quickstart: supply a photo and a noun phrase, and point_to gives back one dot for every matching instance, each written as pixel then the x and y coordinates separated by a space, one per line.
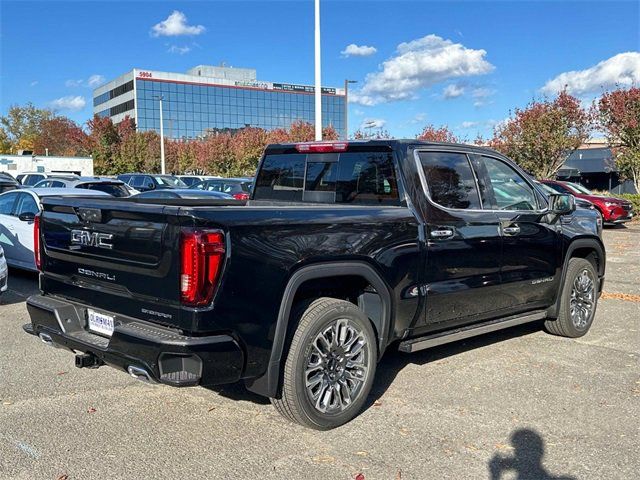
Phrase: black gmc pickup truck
pixel 344 251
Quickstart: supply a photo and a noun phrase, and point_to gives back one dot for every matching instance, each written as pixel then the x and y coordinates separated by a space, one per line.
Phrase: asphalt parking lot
pixel 517 404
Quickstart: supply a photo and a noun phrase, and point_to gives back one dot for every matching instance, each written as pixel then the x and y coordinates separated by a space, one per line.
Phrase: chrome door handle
pixel 442 233
pixel 511 230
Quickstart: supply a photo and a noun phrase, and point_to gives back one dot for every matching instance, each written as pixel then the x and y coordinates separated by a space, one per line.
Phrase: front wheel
pixel 578 302
pixel 330 366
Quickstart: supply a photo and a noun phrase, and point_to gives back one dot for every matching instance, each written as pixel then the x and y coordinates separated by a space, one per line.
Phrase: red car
pixel 613 210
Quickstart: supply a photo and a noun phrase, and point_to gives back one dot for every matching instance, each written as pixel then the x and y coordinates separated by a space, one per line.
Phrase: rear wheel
pixel 578 302
pixel 330 365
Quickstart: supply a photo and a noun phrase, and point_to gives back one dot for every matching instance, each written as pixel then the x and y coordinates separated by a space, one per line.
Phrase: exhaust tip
pixel 46 339
pixel 140 374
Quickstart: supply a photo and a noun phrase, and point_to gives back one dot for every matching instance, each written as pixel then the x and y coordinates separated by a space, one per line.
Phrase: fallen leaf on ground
pixel 377 403
pixel 324 459
pixel 64 476
pixel 210 409
pixel 399 475
pixel 620 296
pixel 359 476
pixel 91 410
pixel 62 373
pixel 7 403
pixel 362 453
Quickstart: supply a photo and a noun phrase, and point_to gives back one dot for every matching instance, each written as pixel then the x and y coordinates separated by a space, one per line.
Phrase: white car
pixel 4 273
pixel 18 209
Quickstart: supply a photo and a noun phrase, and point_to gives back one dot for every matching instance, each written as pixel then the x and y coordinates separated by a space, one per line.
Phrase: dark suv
pixel 344 251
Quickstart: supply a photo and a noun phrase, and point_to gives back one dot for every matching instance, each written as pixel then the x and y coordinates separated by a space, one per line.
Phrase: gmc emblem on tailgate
pixel 91 239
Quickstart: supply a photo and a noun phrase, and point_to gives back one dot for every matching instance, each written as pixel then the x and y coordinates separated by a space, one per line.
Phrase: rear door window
pixel 450 180
pixel 366 178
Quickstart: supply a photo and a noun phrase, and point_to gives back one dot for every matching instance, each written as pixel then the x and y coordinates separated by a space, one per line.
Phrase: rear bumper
pixel 163 353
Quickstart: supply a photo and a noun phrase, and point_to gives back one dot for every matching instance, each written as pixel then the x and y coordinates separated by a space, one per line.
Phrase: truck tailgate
pixel 112 251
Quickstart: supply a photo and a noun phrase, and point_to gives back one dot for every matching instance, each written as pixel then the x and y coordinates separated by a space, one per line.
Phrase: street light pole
pixel 162 167
pixel 346 107
pixel 318 89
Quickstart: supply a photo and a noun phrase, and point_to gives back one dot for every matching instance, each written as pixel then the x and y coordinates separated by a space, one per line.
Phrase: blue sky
pixel 463 64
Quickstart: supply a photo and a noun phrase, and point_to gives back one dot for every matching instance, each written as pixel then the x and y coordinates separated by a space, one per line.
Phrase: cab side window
pixel 510 190
pixel 450 180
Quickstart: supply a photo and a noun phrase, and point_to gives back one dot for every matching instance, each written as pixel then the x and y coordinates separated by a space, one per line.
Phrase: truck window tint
pixel 510 189
pixel 450 180
pixel 281 178
pixel 366 178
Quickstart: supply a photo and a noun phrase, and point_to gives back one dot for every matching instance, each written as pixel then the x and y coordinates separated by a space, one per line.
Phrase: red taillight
pixel 202 255
pixel 36 242
pixel 241 196
pixel 322 147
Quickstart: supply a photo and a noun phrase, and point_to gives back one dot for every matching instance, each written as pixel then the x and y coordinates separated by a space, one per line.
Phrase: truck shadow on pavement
pixel 22 284
pixel 526 460
pixel 393 362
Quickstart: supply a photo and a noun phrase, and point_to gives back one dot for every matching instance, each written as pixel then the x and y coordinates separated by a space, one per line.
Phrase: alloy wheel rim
pixel 582 299
pixel 336 367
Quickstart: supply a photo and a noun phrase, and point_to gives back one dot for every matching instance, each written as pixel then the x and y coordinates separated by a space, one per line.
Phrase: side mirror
pixel 562 204
pixel 27 217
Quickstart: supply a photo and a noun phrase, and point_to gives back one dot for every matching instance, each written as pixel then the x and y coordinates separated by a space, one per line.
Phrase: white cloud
pixel 368 123
pixel 34 83
pixel 95 80
pixel 92 82
pixel 73 83
pixel 68 103
pixel 622 69
pixel 179 50
pixel 468 124
pixel 176 25
pixel 482 95
pixel 420 64
pixel 452 91
pixel 353 50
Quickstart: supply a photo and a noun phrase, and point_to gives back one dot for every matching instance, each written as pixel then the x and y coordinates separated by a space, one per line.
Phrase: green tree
pixel 541 136
pixel 619 118
pixel 22 125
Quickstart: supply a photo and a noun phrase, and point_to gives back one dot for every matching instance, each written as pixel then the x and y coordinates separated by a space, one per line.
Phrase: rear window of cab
pixel 364 178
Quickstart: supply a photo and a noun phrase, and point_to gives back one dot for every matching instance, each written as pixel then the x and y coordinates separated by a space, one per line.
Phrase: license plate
pixel 100 323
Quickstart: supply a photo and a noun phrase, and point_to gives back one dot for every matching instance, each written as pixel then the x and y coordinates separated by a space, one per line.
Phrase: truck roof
pixel 401 143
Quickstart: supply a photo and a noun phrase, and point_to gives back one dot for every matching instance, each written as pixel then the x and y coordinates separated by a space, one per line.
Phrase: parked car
pixel 614 210
pixel 145 181
pixel 579 201
pixel 7 182
pixel 239 188
pixel 4 272
pixel 114 187
pixel 190 180
pixel 29 179
pixel 18 209
pixel 343 251
pixel 185 193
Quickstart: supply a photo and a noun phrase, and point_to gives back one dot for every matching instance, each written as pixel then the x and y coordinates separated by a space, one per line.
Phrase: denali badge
pixel 91 239
pixel 100 275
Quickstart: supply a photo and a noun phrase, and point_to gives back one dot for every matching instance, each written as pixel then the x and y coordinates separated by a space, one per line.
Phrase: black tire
pixel 319 318
pixel 567 325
